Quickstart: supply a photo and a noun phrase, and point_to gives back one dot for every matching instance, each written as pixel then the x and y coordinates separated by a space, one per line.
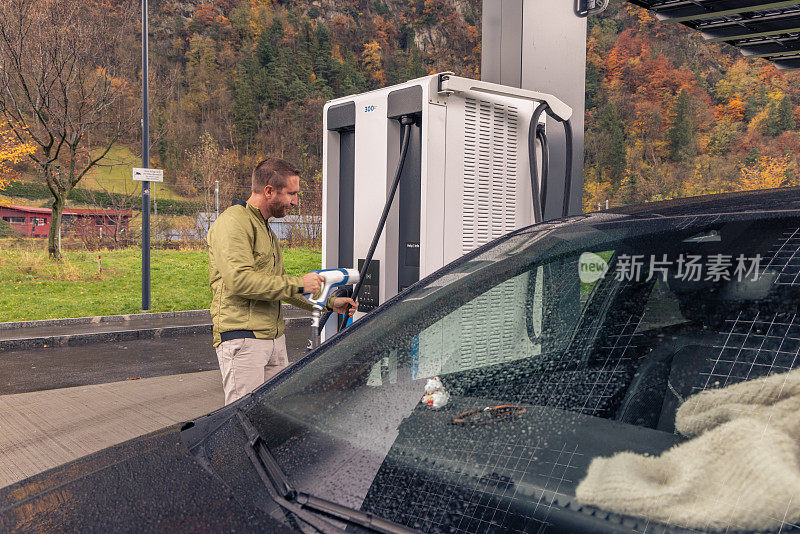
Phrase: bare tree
pixel 63 77
pixel 306 230
pixel 208 163
pixel 119 212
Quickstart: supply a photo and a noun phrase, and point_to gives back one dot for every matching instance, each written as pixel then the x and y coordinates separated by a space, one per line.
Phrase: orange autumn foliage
pixel 735 109
pixel 12 151
pixel 372 59
pixel 766 174
pixel 209 14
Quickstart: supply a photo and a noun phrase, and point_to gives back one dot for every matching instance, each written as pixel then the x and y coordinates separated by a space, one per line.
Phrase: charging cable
pixel 535 131
pixel 533 134
pixel 405 121
pixel 541 135
pixel 568 170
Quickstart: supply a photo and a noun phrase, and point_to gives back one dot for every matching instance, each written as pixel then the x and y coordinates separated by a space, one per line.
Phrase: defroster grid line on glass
pixel 506 467
pixel 751 346
pixel 784 258
pixel 688 222
pixel 482 501
pixel 559 478
pixel 618 353
pixel 591 386
pixel 599 374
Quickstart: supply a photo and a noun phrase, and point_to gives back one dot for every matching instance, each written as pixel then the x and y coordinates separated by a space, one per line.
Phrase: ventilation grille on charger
pixel 490 169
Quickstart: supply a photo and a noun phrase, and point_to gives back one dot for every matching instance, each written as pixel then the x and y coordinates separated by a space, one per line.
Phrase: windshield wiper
pixel 298 502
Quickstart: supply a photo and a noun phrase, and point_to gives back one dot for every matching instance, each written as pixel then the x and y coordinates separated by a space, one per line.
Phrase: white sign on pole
pixel 148 175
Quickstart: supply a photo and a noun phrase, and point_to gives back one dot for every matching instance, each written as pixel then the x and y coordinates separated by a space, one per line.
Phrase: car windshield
pixel 479 399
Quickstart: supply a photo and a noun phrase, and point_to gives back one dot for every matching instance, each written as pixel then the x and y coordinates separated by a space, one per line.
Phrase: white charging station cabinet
pixel 466 177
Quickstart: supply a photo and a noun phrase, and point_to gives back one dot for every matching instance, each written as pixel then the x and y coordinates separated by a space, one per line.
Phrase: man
pixel 248 282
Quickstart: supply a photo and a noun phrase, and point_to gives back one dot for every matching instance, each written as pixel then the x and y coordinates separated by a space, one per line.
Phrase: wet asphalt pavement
pixel 27 370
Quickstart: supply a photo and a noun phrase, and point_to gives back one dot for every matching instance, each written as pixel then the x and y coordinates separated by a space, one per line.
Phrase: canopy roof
pixel 758 28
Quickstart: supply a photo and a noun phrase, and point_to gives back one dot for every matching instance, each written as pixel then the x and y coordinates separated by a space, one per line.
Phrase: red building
pixel 35 222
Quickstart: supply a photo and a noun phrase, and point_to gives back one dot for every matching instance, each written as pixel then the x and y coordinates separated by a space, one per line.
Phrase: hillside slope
pixel 669 115
pixel 253 75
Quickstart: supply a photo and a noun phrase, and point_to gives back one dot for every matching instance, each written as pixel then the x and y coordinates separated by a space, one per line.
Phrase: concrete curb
pixel 101 337
pixel 107 319
pixel 123 334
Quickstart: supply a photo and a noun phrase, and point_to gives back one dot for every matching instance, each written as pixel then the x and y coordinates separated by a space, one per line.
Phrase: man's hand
pixel 312 283
pixel 341 304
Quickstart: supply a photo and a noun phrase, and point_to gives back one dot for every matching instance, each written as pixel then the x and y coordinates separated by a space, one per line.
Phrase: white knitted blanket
pixel 741 470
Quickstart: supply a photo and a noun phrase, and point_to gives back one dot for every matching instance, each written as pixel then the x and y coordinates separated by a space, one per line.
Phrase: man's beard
pixel 278 210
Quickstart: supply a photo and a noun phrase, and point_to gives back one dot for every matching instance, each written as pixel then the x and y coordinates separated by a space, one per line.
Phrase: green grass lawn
pixel 32 287
pixel 115 175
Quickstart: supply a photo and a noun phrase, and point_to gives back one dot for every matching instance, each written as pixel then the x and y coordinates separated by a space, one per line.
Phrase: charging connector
pixel 406 121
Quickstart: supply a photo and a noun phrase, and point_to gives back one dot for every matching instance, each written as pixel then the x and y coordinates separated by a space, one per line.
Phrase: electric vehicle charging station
pixel 473 169
pixel 524 57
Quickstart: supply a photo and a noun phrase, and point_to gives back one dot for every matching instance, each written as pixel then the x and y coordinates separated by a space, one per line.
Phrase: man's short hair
pixel 274 172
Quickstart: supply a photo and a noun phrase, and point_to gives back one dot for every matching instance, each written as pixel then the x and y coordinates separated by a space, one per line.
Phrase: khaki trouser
pixel 247 363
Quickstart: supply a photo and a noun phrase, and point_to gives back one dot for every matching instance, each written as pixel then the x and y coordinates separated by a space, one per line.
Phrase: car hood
pixel 152 483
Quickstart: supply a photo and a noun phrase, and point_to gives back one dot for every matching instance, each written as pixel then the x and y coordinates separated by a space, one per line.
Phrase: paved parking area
pixel 26 370
pixel 44 429
pixel 60 403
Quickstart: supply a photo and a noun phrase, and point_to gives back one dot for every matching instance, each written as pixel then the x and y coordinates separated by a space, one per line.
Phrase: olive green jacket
pixel 248 281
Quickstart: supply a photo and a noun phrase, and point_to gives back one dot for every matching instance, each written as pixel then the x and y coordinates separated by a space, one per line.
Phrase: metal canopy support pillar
pixel 554 61
pixel 501 42
pixel 541 45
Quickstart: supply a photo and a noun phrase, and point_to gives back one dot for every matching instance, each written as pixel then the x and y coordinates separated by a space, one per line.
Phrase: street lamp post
pixel 145 165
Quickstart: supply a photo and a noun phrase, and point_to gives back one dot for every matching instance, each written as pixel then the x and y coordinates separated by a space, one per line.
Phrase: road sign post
pixel 216 199
pixel 145 164
pixel 148 176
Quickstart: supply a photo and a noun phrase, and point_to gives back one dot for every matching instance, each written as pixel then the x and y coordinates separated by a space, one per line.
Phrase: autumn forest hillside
pixel 667 114
pixel 246 78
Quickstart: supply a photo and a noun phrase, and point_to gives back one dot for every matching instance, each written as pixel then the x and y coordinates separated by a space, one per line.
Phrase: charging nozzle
pixel 334 278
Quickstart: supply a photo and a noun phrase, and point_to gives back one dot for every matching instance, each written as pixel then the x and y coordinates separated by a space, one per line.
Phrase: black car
pixel 622 371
